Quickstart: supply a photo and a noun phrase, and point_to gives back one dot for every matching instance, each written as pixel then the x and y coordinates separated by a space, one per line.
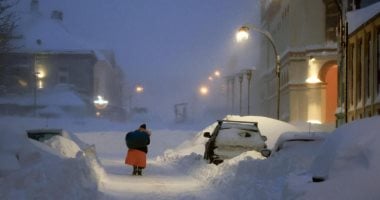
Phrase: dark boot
pixel 139 171
pixel 135 170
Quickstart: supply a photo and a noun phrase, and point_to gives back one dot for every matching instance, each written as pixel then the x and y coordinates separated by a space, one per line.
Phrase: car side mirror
pixel 206 135
pixel 266 152
pixel 264 137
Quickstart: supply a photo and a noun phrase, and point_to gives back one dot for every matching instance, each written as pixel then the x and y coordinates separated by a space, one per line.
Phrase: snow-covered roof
pixel 359 17
pixel 41 33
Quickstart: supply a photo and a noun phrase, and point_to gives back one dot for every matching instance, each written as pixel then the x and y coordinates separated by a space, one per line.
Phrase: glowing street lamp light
pixel 100 103
pixel 217 73
pixel 203 90
pixel 243 34
pixel 139 89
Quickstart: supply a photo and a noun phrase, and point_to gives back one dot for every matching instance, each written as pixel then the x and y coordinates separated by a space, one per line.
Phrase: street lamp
pixel 217 73
pixel 100 103
pixel 243 34
pixel 203 90
pixel 139 89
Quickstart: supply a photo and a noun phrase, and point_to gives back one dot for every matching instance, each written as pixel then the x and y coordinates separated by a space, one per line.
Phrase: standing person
pixel 137 142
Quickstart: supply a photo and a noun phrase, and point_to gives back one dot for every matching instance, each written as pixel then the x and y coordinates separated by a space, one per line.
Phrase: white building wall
pixel 298 28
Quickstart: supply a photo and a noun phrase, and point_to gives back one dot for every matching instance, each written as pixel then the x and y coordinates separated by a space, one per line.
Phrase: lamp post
pixel 249 73
pixel 35 76
pixel 243 34
pixel 240 76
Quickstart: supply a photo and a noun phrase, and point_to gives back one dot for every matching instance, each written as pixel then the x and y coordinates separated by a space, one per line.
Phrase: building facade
pixel 359 88
pixel 43 63
pixel 304 35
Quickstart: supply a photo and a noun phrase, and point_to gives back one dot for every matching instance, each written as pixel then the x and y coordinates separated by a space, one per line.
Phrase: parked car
pixel 231 138
pixel 44 134
pixel 293 139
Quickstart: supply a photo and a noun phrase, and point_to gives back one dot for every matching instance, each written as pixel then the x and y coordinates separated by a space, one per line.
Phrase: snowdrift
pixel 57 169
pixel 348 161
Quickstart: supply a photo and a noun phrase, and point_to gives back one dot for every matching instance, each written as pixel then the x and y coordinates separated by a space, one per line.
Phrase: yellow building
pixel 363 64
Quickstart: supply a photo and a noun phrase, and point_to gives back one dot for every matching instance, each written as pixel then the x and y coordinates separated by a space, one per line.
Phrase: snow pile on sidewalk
pixel 57 169
pixel 348 158
pixel 348 161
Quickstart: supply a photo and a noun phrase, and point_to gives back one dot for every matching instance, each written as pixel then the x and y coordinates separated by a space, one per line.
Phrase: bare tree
pixel 8 21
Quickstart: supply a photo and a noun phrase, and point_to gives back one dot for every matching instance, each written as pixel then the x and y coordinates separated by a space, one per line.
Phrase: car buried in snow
pixel 45 134
pixel 231 138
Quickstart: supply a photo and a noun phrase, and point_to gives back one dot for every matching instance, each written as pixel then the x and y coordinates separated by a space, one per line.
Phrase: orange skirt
pixel 136 158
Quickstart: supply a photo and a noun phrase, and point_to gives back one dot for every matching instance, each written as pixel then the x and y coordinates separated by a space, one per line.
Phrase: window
pixel 63 75
pixel 62 79
pixel 368 56
pixel 378 60
pixel 350 73
pixel 332 20
pixel 359 70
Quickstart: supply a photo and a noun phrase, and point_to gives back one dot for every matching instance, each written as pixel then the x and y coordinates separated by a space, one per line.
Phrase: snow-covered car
pixel 294 139
pixel 347 161
pixel 231 138
pixel 45 134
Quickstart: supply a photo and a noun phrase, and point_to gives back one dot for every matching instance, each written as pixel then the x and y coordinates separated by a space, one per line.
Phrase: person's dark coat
pixel 138 140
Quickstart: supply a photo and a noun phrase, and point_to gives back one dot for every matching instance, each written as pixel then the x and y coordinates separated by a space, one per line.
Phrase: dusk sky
pixel 168 46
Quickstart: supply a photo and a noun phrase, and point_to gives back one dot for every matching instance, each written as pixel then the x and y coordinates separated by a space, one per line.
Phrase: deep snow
pixel 176 169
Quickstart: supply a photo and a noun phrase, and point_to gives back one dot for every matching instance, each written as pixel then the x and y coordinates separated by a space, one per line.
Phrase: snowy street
pixel 176 168
pixel 189 100
pixel 157 182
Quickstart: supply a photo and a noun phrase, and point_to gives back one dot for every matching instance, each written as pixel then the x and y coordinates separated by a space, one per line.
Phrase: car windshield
pixel 242 126
pixel 42 135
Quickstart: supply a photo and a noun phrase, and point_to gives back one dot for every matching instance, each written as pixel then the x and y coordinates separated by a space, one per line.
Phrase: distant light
pixel 98 114
pixel 242 34
pixel 217 73
pixel 210 78
pixel 139 89
pixel 100 103
pixel 40 84
pixel 40 74
pixel 313 121
pixel 203 90
pixel 312 80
